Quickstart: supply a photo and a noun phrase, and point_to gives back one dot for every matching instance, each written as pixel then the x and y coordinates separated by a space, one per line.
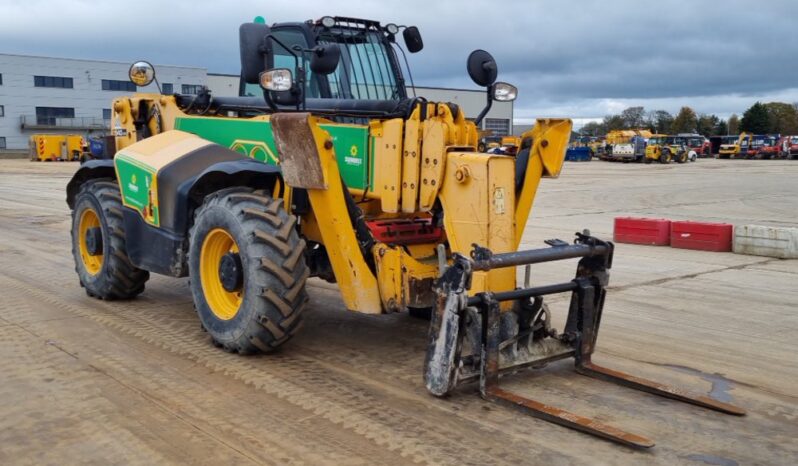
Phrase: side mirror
pixel 324 58
pixel 413 40
pixel 141 73
pixel 250 41
pixel 482 68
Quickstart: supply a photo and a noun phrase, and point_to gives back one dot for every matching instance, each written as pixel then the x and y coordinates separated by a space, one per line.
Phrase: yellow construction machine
pixel 734 147
pixel 334 172
pixel 52 147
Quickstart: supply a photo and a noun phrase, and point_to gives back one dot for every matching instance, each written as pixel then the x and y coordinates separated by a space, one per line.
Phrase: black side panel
pixel 187 167
pixel 152 248
pixel 87 171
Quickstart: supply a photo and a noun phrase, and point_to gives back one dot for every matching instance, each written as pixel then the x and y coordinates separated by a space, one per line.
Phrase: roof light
pixel 328 21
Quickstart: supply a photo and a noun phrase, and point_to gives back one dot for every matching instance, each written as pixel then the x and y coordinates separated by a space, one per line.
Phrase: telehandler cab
pixel 334 172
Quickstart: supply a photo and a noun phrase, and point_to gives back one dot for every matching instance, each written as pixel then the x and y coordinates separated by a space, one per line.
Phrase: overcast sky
pixel 578 59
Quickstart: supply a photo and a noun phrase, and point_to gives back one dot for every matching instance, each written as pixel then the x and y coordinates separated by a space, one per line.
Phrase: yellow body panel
pixel 399 274
pixel 433 154
pixel 479 205
pixel 162 149
pixel 387 137
pixel 411 162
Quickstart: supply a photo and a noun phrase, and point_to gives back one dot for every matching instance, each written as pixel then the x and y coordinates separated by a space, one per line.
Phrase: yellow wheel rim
pixel 88 220
pixel 224 304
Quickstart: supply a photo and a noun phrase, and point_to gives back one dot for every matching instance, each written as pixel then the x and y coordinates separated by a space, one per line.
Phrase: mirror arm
pixel 157 84
pixel 300 79
pixel 478 120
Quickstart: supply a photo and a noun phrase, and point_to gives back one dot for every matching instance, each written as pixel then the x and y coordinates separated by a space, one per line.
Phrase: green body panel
pixel 254 139
pixel 137 187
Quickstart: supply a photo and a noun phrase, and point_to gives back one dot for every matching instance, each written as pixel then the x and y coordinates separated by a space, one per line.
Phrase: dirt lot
pixel 138 382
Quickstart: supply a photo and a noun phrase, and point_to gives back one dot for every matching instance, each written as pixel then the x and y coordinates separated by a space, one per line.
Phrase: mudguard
pixel 162 180
pixel 92 169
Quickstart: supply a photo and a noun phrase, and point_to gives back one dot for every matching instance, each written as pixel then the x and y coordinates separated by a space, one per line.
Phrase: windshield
pixel 366 70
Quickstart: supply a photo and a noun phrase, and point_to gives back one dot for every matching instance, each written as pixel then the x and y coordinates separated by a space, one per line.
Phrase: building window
pixel 499 126
pixel 191 88
pixel 106 114
pixel 2 111
pixel 114 85
pixel 1 79
pixel 167 89
pixel 52 81
pixel 2 142
pixel 48 115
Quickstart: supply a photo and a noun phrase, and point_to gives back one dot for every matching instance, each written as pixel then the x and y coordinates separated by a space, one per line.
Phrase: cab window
pixel 282 58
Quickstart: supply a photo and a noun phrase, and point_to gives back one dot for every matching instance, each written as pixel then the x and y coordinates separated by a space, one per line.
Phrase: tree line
pixel 769 118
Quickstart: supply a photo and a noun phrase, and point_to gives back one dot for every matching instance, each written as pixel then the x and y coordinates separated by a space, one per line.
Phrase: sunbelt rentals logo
pixel 132 186
pixel 352 158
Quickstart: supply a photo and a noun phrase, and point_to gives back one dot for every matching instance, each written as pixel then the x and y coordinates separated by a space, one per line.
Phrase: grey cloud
pixel 583 57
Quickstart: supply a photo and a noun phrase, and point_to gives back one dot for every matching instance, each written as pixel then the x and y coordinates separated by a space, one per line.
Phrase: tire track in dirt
pixel 300 381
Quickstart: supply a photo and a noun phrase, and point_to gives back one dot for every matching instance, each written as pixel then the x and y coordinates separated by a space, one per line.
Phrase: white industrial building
pixel 64 95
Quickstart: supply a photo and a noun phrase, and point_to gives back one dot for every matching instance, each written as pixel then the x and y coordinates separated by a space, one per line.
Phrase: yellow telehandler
pixel 334 172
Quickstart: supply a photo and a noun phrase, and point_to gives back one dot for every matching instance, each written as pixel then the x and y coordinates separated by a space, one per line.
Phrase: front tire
pixel 248 271
pixel 99 243
pixel 665 157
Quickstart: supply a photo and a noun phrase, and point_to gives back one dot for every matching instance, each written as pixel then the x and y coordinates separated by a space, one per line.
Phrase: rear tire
pixel 103 267
pixel 262 308
pixel 665 157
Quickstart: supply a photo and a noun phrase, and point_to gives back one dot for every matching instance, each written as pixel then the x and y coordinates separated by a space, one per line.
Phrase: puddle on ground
pixel 720 385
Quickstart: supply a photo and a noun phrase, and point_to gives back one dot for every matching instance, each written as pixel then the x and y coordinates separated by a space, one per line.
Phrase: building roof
pixel 95 60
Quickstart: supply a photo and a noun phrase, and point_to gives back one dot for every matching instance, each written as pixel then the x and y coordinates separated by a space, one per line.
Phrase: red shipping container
pixel 653 231
pixel 702 236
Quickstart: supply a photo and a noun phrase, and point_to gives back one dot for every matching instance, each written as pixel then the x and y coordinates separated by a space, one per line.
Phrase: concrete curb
pixel 12 154
pixel 759 240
